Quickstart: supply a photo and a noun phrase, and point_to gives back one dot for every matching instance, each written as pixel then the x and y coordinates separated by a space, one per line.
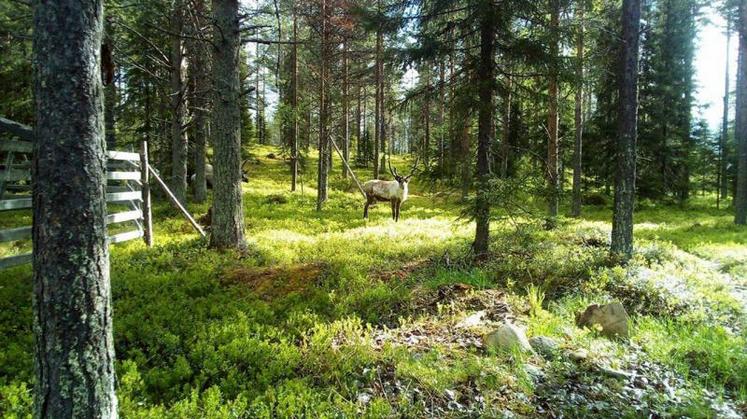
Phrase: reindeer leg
pixel 365 209
pixel 394 210
pixel 399 205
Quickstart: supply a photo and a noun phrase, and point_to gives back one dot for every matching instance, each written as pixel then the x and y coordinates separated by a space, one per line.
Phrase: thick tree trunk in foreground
pixel 740 202
pixel 485 79
pixel 228 213
pixel 579 116
pixel 622 218
pixel 74 352
pixel 553 151
pixel 178 109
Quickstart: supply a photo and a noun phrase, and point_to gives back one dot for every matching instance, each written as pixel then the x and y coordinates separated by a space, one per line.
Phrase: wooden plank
pixel 12 204
pixel 13 234
pixel 348 167
pixel 121 217
pixel 123 155
pixel 16 128
pixel 123 237
pixel 175 201
pixel 123 196
pixel 122 175
pixel 16 146
pixel 14 175
pixel 15 260
pixel 145 185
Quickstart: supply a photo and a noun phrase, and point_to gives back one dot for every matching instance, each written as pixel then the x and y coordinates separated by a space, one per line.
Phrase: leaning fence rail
pixel 127 184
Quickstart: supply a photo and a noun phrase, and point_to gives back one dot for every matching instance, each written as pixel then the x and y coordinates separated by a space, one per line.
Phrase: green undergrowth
pixel 288 328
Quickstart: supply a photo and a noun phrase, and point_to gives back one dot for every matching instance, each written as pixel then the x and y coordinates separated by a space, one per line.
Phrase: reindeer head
pixel 402 180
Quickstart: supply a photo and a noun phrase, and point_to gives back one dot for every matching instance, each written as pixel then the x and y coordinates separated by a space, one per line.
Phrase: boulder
pixel 611 317
pixel 544 345
pixel 507 337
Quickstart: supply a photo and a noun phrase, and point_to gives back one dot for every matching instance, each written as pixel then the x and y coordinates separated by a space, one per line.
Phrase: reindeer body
pixel 209 175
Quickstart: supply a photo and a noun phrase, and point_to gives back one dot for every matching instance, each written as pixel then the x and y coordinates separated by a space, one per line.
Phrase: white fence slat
pixel 121 217
pixel 123 237
pixel 124 196
pixel 123 175
pixel 15 260
pixel 13 234
pixel 11 204
pixel 123 155
pixel 16 146
pixel 14 175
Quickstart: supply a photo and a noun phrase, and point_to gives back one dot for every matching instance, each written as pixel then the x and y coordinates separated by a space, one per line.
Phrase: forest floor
pixel 328 315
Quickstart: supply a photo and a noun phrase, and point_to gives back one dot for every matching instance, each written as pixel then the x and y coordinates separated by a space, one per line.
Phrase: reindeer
pixel 209 174
pixel 394 191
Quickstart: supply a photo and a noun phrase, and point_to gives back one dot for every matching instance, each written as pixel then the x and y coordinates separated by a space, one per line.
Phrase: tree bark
pixel 579 116
pixel 345 109
pixel 485 80
pixel 294 105
pixel 228 212
pixel 553 151
pixel 622 217
pixel 740 201
pixel 178 108
pixel 323 167
pixel 201 81
pixel 74 349
pixel 723 183
pixel 378 112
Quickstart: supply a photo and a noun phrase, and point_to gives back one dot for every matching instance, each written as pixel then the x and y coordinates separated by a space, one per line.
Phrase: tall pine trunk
pixel 200 76
pixel 323 164
pixel 74 348
pixel 485 80
pixel 740 201
pixel 723 141
pixel 579 115
pixel 378 112
pixel 622 217
pixel 294 105
pixel 345 109
pixel 178 108
pixel 553 150
pixel 228 213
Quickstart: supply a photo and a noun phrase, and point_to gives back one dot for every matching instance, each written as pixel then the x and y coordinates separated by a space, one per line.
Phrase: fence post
pixel 145 188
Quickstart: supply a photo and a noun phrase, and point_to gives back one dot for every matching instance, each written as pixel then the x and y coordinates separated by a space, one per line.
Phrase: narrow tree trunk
pixel 358 120
pixel 506 140
pixel 740 201
pixel 579 116
pixel 294 105
pixel 110 89
pixel 553 150
pixel 426 152
pixel 201 81
pixel 723 183
pixel 485 80
pixel 74 348
pixel 442 115
pixel 178 109
pixel 345 109
pixel 378 112
pixel 622 218
pixel 228 212
pixel 322 169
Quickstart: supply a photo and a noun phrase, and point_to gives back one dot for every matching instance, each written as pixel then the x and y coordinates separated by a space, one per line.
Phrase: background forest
pixel 509 116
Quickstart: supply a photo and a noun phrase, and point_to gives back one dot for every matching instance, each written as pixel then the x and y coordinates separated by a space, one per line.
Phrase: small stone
pixel 450 394
pixel 615 373
pixel 611 317
pixel 364 398
pixel 534 371
pixel 545 346
pixel 579 354
pixel 473 320
pixel 507 337
pixel 640 382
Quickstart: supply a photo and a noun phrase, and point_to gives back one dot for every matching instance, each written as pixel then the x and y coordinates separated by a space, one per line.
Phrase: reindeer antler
pixel 389 162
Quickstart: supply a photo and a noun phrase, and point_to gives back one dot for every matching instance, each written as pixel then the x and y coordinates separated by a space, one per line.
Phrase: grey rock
pixel 507 337
pixel 611 317
pixel 543 345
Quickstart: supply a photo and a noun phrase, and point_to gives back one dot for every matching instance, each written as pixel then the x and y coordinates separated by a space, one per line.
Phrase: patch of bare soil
pixel 273 282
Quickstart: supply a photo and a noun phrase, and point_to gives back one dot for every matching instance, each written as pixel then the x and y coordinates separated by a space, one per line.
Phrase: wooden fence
pixel 127 185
